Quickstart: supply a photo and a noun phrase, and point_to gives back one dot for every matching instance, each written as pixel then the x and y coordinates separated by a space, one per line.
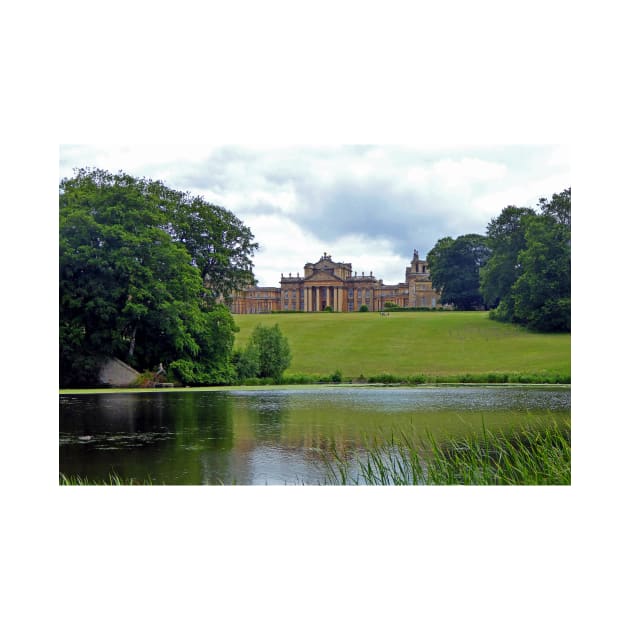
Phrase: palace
pixel 332 284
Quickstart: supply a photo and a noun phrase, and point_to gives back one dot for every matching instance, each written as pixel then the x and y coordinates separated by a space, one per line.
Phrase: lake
pixel 281 435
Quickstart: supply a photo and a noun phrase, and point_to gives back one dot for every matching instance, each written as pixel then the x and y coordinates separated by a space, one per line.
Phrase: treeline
pixel 142 269
pixel 520 269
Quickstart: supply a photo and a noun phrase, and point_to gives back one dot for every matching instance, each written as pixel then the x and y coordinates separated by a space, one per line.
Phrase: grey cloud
pixel 374 210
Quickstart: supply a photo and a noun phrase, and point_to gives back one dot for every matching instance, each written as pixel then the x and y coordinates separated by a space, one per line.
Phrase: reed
pixel 530 456
pixel 113 479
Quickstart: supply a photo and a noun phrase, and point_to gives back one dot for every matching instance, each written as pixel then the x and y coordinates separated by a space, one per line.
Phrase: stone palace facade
pixel 327 283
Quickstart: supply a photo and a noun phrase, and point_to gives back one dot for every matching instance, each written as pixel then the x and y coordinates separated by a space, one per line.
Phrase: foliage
pixel 506 238
pixel 455 267
pixel 247 362
pixel 128 287
pixel 219 244
pixel 363 309
pixel 528 277
pixel 267 351
pixel 336 376
pixel 542 293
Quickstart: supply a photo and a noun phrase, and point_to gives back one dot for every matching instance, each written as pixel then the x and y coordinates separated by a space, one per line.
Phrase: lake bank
pixel 229 388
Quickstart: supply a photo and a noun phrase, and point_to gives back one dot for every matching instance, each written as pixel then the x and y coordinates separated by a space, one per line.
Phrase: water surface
pixel 273 436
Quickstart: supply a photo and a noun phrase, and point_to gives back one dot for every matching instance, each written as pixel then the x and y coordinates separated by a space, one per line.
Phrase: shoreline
pixel 213 388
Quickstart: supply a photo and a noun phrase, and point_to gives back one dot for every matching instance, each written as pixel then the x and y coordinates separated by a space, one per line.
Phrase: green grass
pixel 112 480
pixel 530 456
pixel 405 344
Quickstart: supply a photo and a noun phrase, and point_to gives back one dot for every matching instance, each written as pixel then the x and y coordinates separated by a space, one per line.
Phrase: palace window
pixel 350 293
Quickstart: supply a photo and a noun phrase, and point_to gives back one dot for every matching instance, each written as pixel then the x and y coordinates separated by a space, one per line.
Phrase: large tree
pixel 455 266
pixel 221 246
pixel 542 293
pixel 506 239
pixel 528 276
pixel 129 286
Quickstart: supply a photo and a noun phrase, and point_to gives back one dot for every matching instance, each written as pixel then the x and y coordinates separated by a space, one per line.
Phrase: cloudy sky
pixel 370 205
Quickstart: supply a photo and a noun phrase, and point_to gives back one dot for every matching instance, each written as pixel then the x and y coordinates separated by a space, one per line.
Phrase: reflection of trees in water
pixel 204 421
pixel 114 413
pixel 204 437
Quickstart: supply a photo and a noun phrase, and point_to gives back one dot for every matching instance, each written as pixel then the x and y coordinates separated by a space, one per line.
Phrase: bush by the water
pixel 267 355
pixel 490 378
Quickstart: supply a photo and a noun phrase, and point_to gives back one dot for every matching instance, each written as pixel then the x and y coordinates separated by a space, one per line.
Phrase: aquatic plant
pixel 113 479
pixel 529 456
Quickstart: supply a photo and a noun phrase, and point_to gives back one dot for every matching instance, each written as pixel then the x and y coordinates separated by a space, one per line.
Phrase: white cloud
pixel 367 205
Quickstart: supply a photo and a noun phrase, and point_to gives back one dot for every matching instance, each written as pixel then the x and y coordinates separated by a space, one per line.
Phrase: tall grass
pixel 530 456
pixel 112 480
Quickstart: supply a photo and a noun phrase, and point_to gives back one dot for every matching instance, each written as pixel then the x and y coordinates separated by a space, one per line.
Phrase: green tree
pixel 247 362
pixel 272 348
pixel 129 289
pixel 559 207
pixel 528 276
pixel 506 239
pixel 220 245
pixel 455 266
pixel 542 293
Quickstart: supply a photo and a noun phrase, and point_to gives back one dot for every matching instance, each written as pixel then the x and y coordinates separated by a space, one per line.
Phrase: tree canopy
pixel 506 238
pixel 528 276
pixel 521 268
pixel 138 283
pixel 455 266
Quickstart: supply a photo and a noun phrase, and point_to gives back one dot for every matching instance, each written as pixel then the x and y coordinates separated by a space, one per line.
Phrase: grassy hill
pixel 430 343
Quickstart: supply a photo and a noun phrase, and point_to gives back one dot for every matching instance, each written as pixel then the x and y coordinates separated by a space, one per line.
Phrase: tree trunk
pixel 132 345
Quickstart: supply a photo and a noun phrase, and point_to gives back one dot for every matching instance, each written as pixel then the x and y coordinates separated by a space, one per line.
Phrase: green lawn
pixel 431 343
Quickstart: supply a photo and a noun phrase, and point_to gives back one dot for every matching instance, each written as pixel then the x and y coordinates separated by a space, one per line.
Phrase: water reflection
pixel 271 436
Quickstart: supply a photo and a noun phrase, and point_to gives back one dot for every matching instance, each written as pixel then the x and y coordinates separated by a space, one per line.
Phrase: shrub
pixel 363 309
pixel 336 376
pixel 247 361
pixel 384 378
pixel 267 355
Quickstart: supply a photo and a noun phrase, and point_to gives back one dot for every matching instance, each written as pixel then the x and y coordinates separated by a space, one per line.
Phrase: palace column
pixel 307 299
pixel 316 299
pixel 337 305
